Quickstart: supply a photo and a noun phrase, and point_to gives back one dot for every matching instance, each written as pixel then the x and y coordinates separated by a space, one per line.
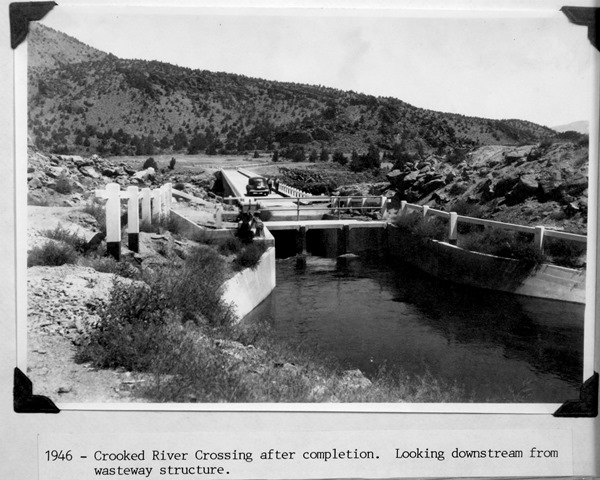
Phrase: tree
pixel 312 158
pixel 172 163
pixel 275 157
pixel 324 155
pixel 150 163
pixel 339 157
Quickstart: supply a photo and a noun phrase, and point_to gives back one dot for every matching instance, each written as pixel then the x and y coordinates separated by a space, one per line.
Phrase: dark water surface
pixel 497 347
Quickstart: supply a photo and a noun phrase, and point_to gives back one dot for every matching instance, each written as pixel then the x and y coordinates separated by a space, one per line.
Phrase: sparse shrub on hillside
pixel 63 185
pixel 368 161
pixel 172 163
pixel 467 209
pixel 339 157
pixel 150 163
pixel 133 325
pixel 456 156
pixel 97 210
pixel 52 254
pixel 546 143
pixel 503 243
pixel 61 234
pixel 564 252
pixel 230 246
pixel 458 188
pixel 423 227
pixel 250 255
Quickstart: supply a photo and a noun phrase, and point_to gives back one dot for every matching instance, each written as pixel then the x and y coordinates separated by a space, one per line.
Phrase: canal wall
pixel 248 288
pixel 465 267
pixel 190 228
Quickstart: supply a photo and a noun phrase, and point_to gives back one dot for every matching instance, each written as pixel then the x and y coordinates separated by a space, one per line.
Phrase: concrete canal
pixel 497 347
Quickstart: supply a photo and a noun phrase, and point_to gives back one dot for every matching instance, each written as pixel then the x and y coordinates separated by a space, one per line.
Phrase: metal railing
pixel 539 232
pixel 332 205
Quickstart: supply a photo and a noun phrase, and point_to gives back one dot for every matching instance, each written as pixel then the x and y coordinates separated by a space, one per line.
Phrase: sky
pixel 535 67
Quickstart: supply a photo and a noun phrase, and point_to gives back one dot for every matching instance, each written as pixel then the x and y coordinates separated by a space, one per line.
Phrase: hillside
pixel 84 101
pixel 50 49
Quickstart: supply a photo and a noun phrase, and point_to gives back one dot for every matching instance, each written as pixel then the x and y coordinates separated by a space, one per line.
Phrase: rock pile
pixel 68 180
pixel 552 181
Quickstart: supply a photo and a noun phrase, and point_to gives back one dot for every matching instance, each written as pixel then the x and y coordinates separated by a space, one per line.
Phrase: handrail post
pixel 383 205
pixel 425 210
pixel 453 228
pixel 168 198
pixel 539 238
pixel 297 209
pixel 146 206
pixel 133 219
pixel 219 217
pixel 113 220
pixel 156 205
pixel 403 207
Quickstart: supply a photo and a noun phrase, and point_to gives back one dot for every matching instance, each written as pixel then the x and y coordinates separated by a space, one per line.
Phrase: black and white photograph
pixel 307 208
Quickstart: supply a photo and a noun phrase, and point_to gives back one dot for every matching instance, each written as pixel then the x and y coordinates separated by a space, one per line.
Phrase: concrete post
pixel 425 210
pixel 383 205
pixel 113 220
pixel 163 200
pixel 346 230
pixel 402 207
pixel 539 238
pixel 156 205
pixel 133 219
pixel 297 210
pixel 168 197
pixel 219 217
pixel 362 206
pixel 453 228
pixel 301 242
pixel 146 206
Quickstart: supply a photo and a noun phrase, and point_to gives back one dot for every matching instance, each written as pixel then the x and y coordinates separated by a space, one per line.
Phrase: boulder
pixel 71 158
pixel 394 175
pixel 526 187
pixel 354 379
pixel 56 172
pixel 111 172
pixel 35 182
pixel 144 175
pixel 432 185
pixel 89 171
pixel 576 184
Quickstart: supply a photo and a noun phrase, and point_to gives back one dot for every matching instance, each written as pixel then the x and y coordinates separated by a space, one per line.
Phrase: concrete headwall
pixel 465 267
pixel 248 288
pixel 190 228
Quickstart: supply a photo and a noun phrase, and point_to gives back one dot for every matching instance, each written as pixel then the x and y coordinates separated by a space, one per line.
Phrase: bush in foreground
pixel 131 331
pixel 250 255
pixel 52 254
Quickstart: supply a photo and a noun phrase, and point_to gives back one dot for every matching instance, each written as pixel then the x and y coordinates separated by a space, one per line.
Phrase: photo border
pixel 589 374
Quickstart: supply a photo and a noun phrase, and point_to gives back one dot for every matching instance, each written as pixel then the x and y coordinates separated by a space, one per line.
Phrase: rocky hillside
pixel 545 184
pixel 82 101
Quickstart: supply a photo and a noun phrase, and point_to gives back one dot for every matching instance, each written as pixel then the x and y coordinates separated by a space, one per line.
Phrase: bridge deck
pixel 323 224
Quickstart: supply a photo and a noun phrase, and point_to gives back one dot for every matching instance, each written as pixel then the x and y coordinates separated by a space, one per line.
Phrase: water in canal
pixel 497 347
